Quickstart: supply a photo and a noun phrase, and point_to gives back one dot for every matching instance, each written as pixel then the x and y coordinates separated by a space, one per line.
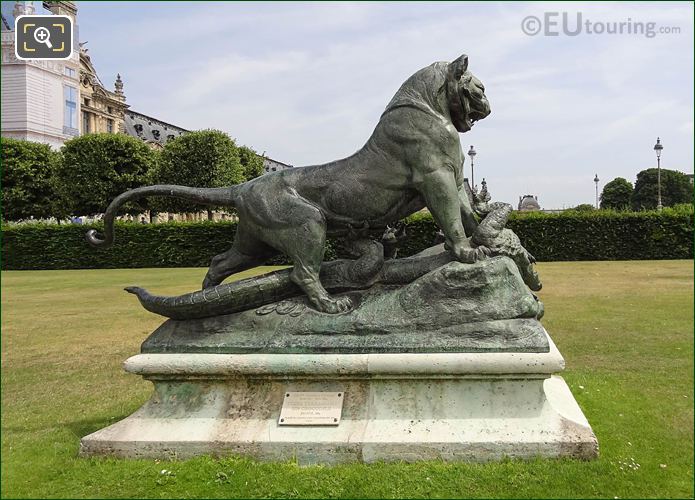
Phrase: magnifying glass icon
pixel 42 35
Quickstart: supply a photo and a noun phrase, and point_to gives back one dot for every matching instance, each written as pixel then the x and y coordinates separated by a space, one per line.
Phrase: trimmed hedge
pixel 569 236
pixel 607 235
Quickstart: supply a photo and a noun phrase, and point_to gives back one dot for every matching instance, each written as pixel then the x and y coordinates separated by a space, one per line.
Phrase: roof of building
pixel 529 202
pixel 286 165
pixel 150 129
pixel 155 131
pixel 270 165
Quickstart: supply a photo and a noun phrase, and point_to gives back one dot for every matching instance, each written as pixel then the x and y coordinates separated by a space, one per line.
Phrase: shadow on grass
pixel 82 428
pixel 79 427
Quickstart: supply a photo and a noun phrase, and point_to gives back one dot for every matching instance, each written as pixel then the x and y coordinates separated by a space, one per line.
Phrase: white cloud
pixel 307 82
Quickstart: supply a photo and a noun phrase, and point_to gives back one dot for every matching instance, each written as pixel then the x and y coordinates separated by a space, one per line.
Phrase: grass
pixel 624 328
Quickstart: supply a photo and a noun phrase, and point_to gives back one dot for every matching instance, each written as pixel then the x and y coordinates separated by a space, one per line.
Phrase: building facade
pixel 154 132
pixel 40 99
pixel 528 203
pixel 54 101
pixel 270 165
pixel 106 111
pixel 102 110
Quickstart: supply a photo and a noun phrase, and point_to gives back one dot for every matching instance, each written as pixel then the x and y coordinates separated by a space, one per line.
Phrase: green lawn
pixel 625 329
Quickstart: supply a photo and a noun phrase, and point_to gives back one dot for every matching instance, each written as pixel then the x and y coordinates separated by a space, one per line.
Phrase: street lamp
pixel 472 153
pixel 658 147
pixel 596 181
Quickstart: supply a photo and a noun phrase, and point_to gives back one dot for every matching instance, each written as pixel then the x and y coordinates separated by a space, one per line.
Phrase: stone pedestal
pixel 397 406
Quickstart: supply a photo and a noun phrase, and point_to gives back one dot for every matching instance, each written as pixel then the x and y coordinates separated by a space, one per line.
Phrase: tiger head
pixel 465 95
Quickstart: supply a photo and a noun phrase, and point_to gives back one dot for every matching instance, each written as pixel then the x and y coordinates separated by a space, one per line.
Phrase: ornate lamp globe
pixel 658 147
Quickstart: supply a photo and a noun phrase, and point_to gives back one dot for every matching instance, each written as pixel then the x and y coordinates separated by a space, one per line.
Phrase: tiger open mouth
pixel 475 115
pixel 465 96
pixel 477 110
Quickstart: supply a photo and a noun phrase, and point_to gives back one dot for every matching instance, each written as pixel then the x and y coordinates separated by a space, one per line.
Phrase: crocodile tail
pixel 226 298
pixel 186 306
pixel 207 196
pixel 179 307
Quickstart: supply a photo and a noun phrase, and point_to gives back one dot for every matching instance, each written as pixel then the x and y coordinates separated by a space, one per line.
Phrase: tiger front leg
pixel 442 197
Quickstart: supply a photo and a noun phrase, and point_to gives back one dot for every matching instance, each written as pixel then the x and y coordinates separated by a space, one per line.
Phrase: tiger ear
pixel 459 66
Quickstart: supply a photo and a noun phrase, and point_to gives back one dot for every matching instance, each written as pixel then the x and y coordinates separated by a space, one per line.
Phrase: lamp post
pixel 657 148
pixel 596 179
pixel 472 153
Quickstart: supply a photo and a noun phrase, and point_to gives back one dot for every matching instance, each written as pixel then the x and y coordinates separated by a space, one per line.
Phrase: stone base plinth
pixel 415 406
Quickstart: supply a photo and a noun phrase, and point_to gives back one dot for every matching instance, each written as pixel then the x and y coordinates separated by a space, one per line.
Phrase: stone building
pixel 102 110
pixel 270 165
pixel 40 99
pixel 528 203
pixel 53 101
pixel 106 111
pixel 151 130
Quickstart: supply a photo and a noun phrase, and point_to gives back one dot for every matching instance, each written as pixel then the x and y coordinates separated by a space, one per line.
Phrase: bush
pixel 675 189
pixel 95 168
pixel 569 236
pixel 251 162
pixel 205 158
pixel 584 207
pixel 27 174
pixel 616 194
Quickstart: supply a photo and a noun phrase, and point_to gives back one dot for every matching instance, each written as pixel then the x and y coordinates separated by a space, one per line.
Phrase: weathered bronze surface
pixel 368 270
pixel 220 335
pixel 481 307
pixel 470 294
pixel 412 160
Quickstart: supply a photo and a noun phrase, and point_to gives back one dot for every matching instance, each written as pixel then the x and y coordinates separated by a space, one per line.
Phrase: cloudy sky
pixel 306 82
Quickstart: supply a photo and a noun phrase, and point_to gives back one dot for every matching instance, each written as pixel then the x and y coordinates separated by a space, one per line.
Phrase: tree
pixel 95 168
pixel 616 194
pixel 205 158
pixel 584 207
pixel 27 174
pixel 675 189
pixel 251 162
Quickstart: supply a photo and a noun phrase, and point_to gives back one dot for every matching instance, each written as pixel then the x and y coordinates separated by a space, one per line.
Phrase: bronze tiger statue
pixel 412 160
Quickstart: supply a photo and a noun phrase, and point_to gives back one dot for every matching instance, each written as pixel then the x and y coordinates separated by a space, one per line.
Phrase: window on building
pixel 86 129
pixel 70 112
pixel 109 126
pixel 87 102
pixel 109 109
pixel 69 72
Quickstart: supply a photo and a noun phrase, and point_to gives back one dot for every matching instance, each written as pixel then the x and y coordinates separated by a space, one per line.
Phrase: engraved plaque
pixel 311 408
